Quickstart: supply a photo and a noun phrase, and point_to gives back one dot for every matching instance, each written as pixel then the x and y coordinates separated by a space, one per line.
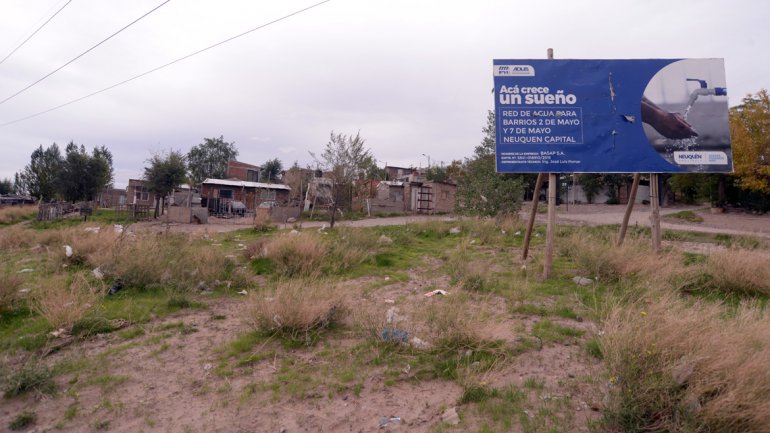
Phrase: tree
pixel 39 177
pixel 83 176
pixel 591 184
pixel 346 159
pixel 480 189
pixel 6 186
pixel 271 170
pixel 165 172
pixel 750 131
pixel 436 174
pixel 209 159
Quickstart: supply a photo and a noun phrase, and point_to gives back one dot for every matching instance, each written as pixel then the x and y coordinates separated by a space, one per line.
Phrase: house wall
pixel 144 198
pixel 242 171
pixel 443 197
pixel 251 197
pixel 113 197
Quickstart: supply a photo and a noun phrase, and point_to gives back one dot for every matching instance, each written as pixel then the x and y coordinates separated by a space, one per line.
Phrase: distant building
pixel 216 192
pixel 243 171
pixel 398 173
pixel 138 193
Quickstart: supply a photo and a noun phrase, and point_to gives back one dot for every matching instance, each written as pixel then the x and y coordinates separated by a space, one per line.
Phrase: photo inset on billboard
pixel 684 113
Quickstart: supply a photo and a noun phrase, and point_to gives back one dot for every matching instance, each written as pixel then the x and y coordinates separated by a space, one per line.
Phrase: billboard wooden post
pixel 655 212
pixel 629 208
pixel 532 213
pixel 551 228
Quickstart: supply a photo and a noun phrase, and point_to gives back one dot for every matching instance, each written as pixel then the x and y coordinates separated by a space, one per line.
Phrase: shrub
pixel 168 261
pixel 33 376
pixel 23 420
pixel 295 309
pixel 740 271
pixel 10 282
pixel 14 214
pixel 64 302
pixel 681 367
pixel 296 254
pixel 351 247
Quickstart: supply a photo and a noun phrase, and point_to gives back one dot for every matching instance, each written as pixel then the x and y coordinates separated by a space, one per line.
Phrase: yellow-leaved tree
pixel 750 131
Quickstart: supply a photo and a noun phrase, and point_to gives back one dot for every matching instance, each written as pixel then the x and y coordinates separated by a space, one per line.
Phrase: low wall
pixel 188 215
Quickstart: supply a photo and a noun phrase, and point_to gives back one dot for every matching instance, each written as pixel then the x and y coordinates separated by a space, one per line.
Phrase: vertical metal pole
pixel 629 208
pixel 655 213
pixel 532 213
pixel 551 228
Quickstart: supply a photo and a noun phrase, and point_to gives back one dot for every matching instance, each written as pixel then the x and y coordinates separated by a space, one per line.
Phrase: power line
pixel 164 66
pixel 35 32
pixel 84 53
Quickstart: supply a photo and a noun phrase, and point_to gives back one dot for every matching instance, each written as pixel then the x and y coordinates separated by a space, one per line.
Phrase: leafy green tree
pixel 614 182
pixel 6 186
pixel 591 184
pixel 209 159
pixel 271 170
pixel 82 176
pixel 480 189
pixel 165 172
pixel 437 174
pixel 39 177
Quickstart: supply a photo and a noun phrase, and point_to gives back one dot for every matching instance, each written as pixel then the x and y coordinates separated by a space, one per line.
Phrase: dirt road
pixel 734 222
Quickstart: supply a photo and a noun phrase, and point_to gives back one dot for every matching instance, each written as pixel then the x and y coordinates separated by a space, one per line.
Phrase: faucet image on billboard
pixel 703 90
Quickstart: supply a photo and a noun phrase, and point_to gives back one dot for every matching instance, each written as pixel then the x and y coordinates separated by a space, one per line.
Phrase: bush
pixel 740 271
pixel 351 247
pixel 296 254
pixel 681 367
pixel 10 282
pixel 63 302
pixel 295 309
pixel 30 377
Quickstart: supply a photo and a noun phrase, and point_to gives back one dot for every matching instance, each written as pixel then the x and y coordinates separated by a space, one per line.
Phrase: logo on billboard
pixel 700 158
pixel 514 71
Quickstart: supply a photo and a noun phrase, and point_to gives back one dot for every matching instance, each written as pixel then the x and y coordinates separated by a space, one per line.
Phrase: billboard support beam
pixel 551 228
pixel 532 213
pixel 629 208
pixel 655 212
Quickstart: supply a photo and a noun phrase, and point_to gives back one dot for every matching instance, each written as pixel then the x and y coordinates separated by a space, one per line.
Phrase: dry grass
pixel 263 222
pixel 352 247
pixel 15 238
pixel 296 255
pixel 680 367
pixel 88 247
pixel 296 309
pixel 10 283
pixel 64 302
pixel 168 261
pixel 13 214
pixel 634 261
pixel 740 271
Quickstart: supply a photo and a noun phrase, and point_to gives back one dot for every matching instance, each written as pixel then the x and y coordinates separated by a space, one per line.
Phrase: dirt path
pixel 733 223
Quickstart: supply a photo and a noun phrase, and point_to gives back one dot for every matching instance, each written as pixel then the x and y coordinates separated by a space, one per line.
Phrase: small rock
pixel 681 372
pixel 384 240
pixel 98 274
pixel 294 232
pixel 391 316
pixel 68 251
pixel 419 344
pixel 202 287
pixel 92 229
pixel 207 367
pixel 582 281
pixel 454 230
pixel 475 365
pixel 118 228
pixel 390 301
pixel 518 233
pixel 450 416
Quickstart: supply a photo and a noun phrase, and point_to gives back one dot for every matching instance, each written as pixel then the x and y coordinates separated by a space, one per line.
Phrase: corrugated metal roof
pixel 246 184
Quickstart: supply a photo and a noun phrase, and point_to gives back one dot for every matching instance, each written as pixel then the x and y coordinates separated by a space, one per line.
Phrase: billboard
pixel 612 116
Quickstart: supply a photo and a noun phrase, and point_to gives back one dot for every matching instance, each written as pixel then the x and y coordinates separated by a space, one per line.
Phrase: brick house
pixel 243 171
pixel 251 194
pixel 138 193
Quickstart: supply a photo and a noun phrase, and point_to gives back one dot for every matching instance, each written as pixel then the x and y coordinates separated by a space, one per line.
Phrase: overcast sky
pixel 414 77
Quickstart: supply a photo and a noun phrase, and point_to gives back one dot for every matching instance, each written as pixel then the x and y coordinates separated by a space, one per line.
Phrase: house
pixel 243 171
pixel 398 173
pixel 137 193
pixel 216 193
pixel 111 197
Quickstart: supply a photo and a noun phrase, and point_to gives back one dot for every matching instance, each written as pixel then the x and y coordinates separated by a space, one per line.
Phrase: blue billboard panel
pixel 612 116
